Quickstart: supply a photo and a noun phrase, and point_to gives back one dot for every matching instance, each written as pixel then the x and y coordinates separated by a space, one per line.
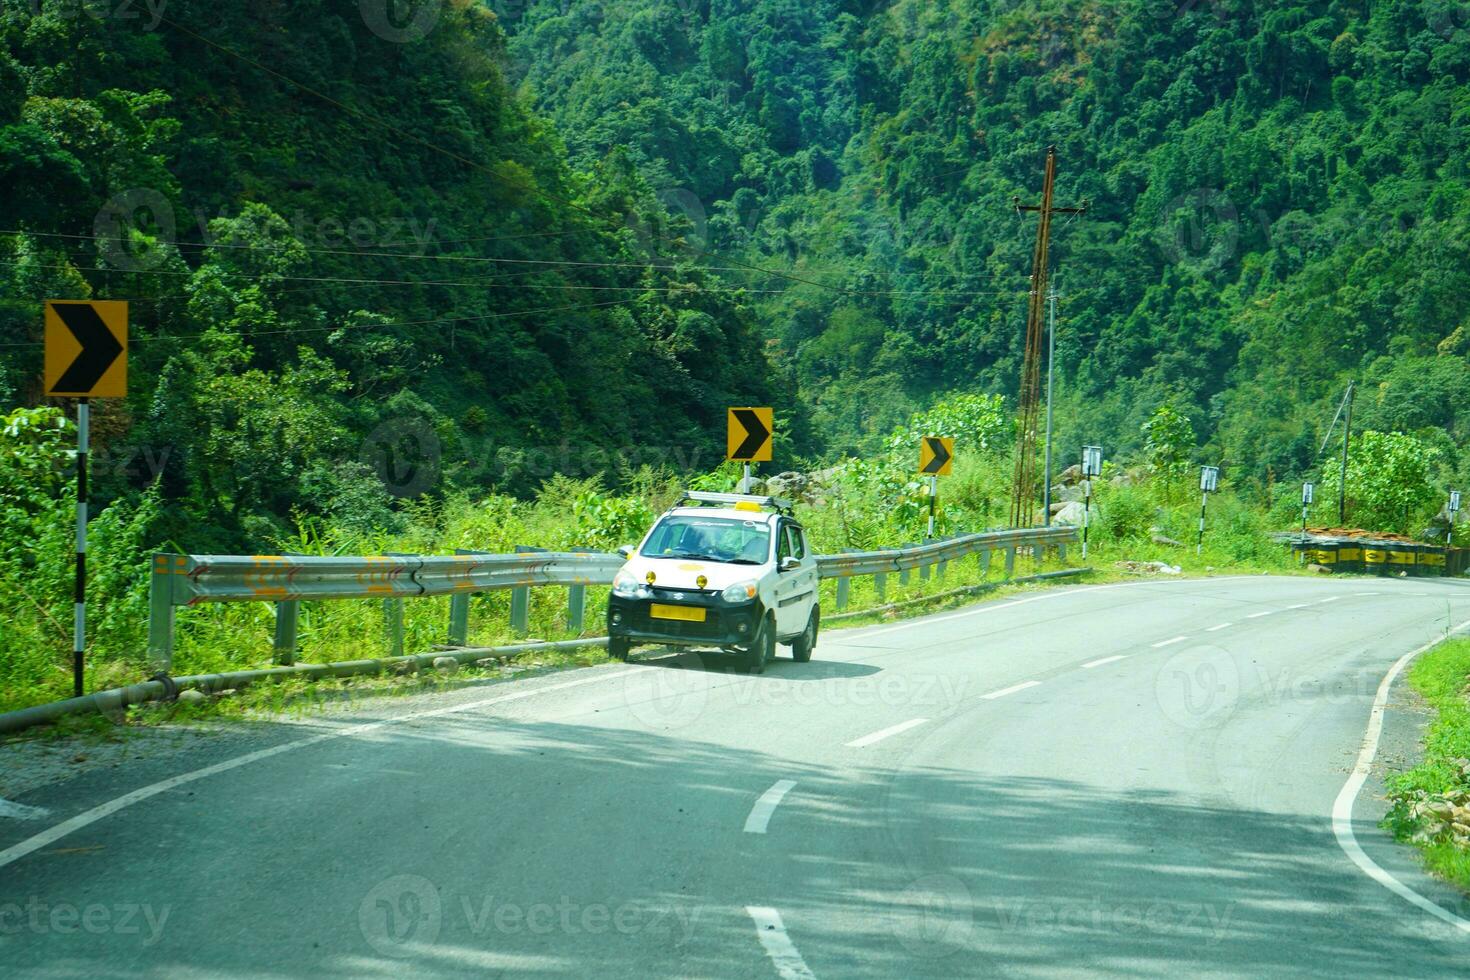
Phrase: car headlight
pixel 627 586
pixel 740 592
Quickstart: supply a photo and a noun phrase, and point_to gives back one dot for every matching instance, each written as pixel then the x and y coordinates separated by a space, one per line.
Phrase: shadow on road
pixel 480 844
pixel 783 666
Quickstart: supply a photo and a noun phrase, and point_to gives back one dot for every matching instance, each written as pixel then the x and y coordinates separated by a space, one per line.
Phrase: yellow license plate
pixel 688 614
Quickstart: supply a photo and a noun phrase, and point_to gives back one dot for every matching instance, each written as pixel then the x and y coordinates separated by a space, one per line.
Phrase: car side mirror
pixel 789 564
pixel 626 551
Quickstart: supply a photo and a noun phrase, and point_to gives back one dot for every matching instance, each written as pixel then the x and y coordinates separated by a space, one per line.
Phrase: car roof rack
pixel 736 500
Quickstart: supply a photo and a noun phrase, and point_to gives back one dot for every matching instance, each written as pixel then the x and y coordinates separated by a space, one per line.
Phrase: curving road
pixel 1118 780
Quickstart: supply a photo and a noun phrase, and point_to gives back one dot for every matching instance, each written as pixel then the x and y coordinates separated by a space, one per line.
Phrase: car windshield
pixel 720 539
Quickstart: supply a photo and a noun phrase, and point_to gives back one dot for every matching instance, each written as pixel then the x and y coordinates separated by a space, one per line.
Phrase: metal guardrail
pixel 287 580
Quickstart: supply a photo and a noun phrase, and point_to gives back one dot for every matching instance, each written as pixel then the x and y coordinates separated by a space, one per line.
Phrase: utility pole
pixel 1051 356
pixel 1347 439
pixel 1023 491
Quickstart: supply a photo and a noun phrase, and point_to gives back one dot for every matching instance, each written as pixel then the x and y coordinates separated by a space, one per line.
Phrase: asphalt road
pixel 1112 780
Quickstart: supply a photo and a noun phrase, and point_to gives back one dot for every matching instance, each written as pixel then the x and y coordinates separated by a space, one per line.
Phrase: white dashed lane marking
pixel 867 740
pixel 1010 690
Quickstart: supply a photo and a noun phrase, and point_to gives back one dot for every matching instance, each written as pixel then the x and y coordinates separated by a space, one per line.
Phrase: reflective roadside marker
pixel 1209 479
pixel 1454 501
pixel 1092 461
pixel 1307 492
pixel 936 456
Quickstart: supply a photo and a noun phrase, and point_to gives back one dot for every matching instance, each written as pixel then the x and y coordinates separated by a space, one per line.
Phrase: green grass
pixel 1430 799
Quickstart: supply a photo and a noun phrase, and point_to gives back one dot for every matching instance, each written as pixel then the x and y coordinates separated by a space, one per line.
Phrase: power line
pixel 489 282
pixel 353 326
pixel 489 171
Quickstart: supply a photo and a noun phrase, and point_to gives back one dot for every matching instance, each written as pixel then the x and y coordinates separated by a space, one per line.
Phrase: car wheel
pixel 801 650
pixel 762 649
pixel 618 647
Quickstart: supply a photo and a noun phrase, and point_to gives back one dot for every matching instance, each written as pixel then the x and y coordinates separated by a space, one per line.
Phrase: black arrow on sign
pixel 99 347
pixel 941 455
pixel 756 433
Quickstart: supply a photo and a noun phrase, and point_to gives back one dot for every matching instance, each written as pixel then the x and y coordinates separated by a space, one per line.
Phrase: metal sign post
pixel 1454 510
pixel 79 598
pixel 1308 492
pixel 933 501
pixel 1091 467
pixel 1209 481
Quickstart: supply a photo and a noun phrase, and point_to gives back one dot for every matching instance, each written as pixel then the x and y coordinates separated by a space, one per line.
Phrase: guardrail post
pixel 161 612
pixel 285 642
pixel 842 587
pixel 576 607
pixel 459 609
pixel 393 613
pixel 984 562
pixel 520 599
pixel 903 573
pixel 1061 551
pixel 459 619
pixel 1010 560
pixel 880 584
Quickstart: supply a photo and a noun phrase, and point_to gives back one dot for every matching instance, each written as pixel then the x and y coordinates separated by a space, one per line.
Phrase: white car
pixel 731 571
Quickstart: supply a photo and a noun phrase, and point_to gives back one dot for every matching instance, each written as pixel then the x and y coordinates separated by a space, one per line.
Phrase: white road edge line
pixel 760 814
pixel 1342 807
pixel 19 811
pixel 1331 598
pixel 778 946
pixel 1216 629
pixel 1169 643
pixel 867 740
pixel 1010 690
pixel 1299 605
pixel 31 844
pixel 1260 614
pixel 1104 660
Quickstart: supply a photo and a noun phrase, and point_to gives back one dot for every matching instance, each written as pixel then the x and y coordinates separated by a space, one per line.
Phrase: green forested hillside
pixel 340 245
pixel 525 233
pixel 1278 196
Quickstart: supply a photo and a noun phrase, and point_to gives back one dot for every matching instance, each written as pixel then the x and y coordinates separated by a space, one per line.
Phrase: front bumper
pixel 726 624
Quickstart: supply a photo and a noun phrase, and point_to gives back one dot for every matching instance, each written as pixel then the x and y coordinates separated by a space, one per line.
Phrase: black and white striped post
pixel 1308 492
pixel 1449 539
pixel 1092 460
pixel 79 627
pixel 1209 481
